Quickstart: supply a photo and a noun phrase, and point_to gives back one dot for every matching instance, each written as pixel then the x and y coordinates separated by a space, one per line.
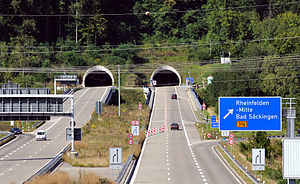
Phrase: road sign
pixel 130 142
pixel 77 134
pixel 213 119
pixel 258 159
pixel 231 141
pixel 214 123
pixel 115 158
pixel 130 136
pixel 231 136
pixel 290 158
pixel 250 113
pixel 137 122
pixel 154 82
pixel 208 135
pixel 203 106
pixel 140 106
pixel 135 130
pixel 132 123
pixel 225 133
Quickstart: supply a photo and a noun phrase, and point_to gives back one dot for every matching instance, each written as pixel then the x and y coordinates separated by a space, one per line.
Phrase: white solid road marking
pixel 187 139
pixel 225 165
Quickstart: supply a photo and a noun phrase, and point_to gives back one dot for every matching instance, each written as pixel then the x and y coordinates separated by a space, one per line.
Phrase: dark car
pixel 174 126
pixel 174 96
pixel 15 130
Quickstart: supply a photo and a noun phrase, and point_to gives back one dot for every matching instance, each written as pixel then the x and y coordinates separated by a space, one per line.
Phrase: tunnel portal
pixel 98 76
pixel 166 76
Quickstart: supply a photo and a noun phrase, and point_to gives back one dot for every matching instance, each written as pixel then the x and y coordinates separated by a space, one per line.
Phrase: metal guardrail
pixel 199 107
pixel 50 166
pixel 5 137
pixel 253 179
pixel 124 169
pixel 107 99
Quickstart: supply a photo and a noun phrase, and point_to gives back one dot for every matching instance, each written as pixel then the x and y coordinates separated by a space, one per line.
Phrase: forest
pixel 70 33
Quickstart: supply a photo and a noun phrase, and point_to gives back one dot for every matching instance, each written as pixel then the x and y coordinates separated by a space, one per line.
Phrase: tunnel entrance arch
pixel 166 76
pixel 98 76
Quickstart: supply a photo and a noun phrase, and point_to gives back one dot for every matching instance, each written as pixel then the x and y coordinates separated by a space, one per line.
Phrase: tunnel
pixel 166 76
pixel 98 76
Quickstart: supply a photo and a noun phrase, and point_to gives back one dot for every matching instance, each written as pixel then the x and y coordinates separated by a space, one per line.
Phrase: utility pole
pixel 119 93
pixel 290 116
pixel 210 50
pixel 72 122
pixel 76 29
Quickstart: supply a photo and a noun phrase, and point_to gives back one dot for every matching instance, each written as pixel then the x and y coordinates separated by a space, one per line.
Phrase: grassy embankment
pixel 26 126
pixel 100 134
pixel 64 178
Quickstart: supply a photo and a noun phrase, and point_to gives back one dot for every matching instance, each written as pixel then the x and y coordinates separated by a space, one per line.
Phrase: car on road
pixel 174 126
pixel 15 130
pixel 41 135
pixel 174 96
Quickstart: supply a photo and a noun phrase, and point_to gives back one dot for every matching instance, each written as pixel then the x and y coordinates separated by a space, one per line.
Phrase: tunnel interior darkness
pixel 166 78
pixel 98 79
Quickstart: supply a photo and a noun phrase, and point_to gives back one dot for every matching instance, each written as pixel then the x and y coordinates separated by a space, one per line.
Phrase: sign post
pixel 250 113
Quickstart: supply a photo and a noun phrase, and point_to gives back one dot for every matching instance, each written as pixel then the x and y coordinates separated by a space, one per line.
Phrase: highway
pixel 24 156
pixel 179 156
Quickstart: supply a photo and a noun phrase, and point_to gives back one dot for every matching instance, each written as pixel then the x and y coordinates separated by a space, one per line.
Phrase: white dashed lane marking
pixel 2 174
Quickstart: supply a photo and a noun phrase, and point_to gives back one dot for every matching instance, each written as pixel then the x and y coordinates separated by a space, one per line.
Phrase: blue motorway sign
pixel 250 113
pixel 214 123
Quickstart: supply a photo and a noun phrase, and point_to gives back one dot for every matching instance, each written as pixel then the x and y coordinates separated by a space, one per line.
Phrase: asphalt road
pixel 179 156
pixel 24 156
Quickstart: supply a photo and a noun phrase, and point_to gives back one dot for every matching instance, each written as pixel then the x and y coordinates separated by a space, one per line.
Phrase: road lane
pixel 26 156
pixel 178 156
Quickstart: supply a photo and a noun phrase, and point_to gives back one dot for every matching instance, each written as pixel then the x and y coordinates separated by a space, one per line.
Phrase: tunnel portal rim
pixel 166 67
pixel 95 69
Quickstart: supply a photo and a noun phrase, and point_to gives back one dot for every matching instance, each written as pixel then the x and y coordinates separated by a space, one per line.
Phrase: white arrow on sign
pixel 230 111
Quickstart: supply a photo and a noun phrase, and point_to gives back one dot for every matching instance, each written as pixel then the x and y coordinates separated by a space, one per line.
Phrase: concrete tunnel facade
pixel 166 76
pixel 98 76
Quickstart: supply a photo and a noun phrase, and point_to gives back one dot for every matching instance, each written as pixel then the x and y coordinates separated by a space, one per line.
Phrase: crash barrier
pixel 199 107
pixel 108 96
pixel 148 96
pixel 50 166
pixel 253 179
pixel 6 138
pixel 126 170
